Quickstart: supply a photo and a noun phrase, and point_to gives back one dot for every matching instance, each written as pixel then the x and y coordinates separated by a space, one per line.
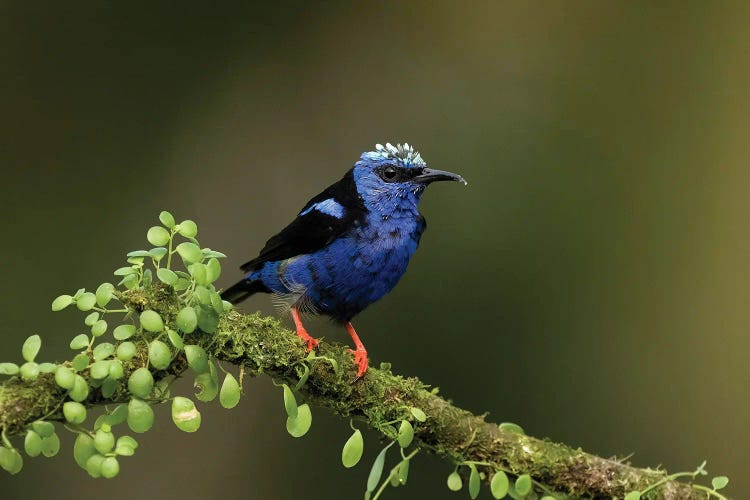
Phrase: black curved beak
pixel 431 175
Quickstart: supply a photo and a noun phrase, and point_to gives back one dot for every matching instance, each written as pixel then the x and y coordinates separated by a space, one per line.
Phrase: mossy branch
pixel 260 345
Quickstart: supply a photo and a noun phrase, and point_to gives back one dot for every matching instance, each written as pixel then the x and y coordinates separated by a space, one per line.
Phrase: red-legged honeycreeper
pixel 349 245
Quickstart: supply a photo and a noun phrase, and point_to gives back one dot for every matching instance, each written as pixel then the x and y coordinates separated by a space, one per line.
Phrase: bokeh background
pixel 591 283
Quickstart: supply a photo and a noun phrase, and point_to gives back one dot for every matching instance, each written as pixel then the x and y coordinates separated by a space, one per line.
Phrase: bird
pixel 348 246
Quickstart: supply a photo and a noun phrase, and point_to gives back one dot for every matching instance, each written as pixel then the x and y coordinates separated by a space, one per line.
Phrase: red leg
pixel 359 351
pixel 301 332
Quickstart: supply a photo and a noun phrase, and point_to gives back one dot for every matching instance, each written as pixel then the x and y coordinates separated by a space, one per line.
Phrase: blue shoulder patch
pixel 329 207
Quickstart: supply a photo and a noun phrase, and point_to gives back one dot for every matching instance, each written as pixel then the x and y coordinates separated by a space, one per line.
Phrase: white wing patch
pixel 329 207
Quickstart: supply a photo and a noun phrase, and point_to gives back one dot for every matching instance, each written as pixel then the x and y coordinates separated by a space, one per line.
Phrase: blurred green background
pixel 591 283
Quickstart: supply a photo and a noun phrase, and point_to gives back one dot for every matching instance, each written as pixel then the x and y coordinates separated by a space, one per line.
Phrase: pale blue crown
pixel 403 154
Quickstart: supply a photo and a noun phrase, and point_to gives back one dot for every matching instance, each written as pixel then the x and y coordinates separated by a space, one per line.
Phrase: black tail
pixel 242 290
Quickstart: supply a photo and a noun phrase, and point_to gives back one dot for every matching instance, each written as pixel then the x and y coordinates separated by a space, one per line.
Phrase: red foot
pixel 360 354
pixel 302 333
pixel 360 359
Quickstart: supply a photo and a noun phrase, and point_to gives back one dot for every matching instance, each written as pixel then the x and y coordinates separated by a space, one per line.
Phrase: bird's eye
pixel 389 174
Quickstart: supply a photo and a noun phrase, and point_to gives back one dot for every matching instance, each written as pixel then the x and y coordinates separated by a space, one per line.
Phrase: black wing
pixel 314 230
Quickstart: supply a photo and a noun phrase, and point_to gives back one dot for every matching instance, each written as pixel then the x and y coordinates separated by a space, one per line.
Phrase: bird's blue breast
pixel 353 271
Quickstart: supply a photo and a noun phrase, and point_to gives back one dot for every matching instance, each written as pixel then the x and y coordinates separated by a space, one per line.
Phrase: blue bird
pixel 349 245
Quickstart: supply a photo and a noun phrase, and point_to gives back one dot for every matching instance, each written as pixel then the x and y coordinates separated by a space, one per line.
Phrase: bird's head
pixel 393 177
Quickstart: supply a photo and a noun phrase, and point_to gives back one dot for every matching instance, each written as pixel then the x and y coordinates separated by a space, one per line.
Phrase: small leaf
pixel 197 358
pixel 32 443
pixel 167 219
pixel 523 484
pixel 187 319
pixel 298 427
pixel 86 301
pixel 188 229
pixel 167 276
pixel 83 449
pixel 50 445
pixel 31 347
pixel 124 332
pixel 126 351
pixel 104 440
pixel 511 427
pixel 158 236
pixel 405 434
pixel 158 253
pixel 151 321
pixel 474 481
pixel 44 429
pixel 207 387
pixel 79 342
pixel 454 481
pixel 74 412
pixel 91 319
pixel 403 471
pixel 352 451
pixel 61 302
pixel 159 354
pixel 29 371
pixel 140 415
pixel 175 339
pixel 189 252
pixel 290 403
pixel 65 377
pixel 104 294
pixel 377 469
pixel 719 482
pixel 185 415
pixel 499 485
pixel 47 367
pixel 208 320
pixel 10 460
pixel 80 362
pixel 198 272
pixel 633 495
pixel 80 390
pixel 8 368
pixel 110 467
pixel 99 328
pixel 229 395
pixel 99 370
pixel 213 269
pixel 418 414
pixel 141 383
pixel 103 351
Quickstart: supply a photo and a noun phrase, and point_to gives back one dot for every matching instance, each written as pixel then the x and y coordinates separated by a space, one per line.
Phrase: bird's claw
pixel 311 343
pixel 360 359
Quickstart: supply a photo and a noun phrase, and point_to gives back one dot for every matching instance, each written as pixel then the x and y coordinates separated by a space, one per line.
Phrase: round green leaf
pixel 197 358
pixel 8 368
pixel 167 276
pixel 523 484
pixel 79 342
pixel 126 446
pixel 104 294
pixel 61 302
pixel 83 449
pixel 86 301
pixel 47 367
pixel 104 441
pixel 419 415
pixel 99 370
pixel 99 328
pixel 405 434
pixel 10 460
pixel 29 371
pixel 167 219
pixel 352 451
pixel 103 351
pixel 290 403
pixel 187 319
pixel 50 445
pixel 110 467
pixel 229 395
pixel 140 415
pixel 158 253
pixel 126 351
pixel 80 362
pixel 80 390
pixel 110 385
pixel 189 252
pixel 511 427
pixel 207 387
pixel 91 319
pixel 141 383
pixel 94 465
pixel 158 236
pixel 175 339
pixel 65 377
pixel 185 415
pixel 159 354
pixel 44 429
pixel 500 484
pixel 213 269
pixel 188 229
pixel 124 332
pixel 298 427
pixel 719 482
pixel 151 321
pixel 198 272
pixel 633 495
pixel 74 412
pixel 454 481
pixel 377 469
pixel 31 347
pixel 32 443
